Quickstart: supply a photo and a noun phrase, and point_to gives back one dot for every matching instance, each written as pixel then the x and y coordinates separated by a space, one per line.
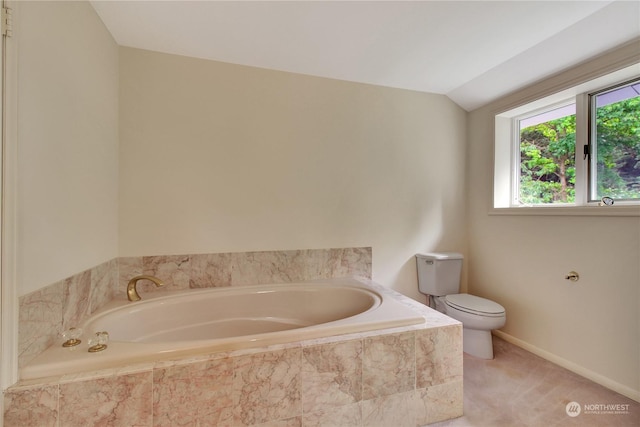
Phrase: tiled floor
pixel 518 389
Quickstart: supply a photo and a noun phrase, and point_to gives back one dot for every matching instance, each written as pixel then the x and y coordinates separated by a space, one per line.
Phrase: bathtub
pixel 176 325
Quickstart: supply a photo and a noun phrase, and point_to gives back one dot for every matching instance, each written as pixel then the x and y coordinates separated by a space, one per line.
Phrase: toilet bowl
pixel 479 316
pixel 439 277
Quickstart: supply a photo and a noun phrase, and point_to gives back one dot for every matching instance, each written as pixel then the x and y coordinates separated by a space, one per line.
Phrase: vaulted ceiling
pixel 471 51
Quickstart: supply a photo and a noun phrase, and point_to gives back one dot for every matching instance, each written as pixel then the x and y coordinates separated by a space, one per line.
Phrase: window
pixel 578 147
pixel 547 145
pixel 614 143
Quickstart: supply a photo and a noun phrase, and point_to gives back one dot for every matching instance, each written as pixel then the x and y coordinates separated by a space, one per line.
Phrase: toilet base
pixel 477 343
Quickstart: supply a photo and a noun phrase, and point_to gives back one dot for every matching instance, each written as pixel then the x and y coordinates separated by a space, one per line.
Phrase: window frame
pixel 517 161
pixel 507 152
pixel 592 162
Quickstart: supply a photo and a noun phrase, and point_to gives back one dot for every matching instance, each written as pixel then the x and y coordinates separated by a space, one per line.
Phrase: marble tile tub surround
pixel 45 313
pixel 245 268
pixel 408 376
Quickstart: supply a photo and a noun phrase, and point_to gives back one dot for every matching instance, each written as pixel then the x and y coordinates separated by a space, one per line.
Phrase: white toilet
pixel 439 277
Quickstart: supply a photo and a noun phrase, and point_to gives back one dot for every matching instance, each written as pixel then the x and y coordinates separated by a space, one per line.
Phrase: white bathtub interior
pixel 175 325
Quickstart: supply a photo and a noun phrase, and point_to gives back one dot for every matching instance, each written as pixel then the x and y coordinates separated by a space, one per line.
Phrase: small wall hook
pixel 573 276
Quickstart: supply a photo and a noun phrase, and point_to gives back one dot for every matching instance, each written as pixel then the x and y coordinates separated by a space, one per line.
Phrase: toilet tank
pixel 439 273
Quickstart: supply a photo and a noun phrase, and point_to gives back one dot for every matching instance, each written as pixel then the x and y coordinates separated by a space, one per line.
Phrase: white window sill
pixel 629 210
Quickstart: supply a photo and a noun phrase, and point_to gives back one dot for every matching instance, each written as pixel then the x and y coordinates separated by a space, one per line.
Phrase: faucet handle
pixel 98 342
pixel 71 337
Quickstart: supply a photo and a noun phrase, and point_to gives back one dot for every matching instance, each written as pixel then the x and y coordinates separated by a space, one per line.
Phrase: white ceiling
pixel 471 51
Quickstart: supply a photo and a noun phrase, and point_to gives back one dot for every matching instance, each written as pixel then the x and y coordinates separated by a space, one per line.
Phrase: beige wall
pixel 592 326
pixel 220 158
pixel 67 142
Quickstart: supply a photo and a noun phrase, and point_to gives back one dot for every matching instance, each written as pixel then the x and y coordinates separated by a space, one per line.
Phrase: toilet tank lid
pixel 440 255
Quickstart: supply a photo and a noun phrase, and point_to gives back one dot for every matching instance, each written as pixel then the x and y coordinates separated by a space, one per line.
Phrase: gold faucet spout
pixel 132 292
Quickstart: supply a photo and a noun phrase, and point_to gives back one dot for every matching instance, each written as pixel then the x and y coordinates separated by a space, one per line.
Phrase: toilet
pixel 439 278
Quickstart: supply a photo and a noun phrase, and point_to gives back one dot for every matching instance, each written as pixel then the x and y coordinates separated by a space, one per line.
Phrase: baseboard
pixel 580 370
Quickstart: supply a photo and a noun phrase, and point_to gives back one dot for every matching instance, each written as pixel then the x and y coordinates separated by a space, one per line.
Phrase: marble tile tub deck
pixel 406 376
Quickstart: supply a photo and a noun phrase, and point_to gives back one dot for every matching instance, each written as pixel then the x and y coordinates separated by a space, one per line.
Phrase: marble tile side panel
pixel 39 321
pixel 350 262
pixel 331 375
pixel 245 268
pixel 196 394
pixel 254 268
pixel 173 270
pixel 32 407
pixel 440 402
pixel 267 387
pixel 336 262
pixel 77 294
pixel 118 401
pixel 103 284
pixel 340 416
pixel 300 265
pixel 438 356
pixel 212 270
pixel 289 422
pixel 388 365
pixel 397 410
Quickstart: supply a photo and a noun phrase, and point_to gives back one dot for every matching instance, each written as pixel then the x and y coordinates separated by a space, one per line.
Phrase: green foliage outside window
pixel 618 154
pixel 547 153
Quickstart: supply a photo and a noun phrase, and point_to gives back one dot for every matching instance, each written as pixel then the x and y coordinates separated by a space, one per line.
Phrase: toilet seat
pixel 474 305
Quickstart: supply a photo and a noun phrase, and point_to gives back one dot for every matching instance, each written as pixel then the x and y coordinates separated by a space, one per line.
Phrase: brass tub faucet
pixel 132 292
